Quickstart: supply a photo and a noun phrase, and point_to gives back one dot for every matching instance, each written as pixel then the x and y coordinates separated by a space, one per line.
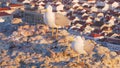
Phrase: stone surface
pixel 43 51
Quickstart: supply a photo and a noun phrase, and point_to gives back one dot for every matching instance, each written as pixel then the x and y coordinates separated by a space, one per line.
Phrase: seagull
pixel 55 20
pixel 78 46
pixel 81 46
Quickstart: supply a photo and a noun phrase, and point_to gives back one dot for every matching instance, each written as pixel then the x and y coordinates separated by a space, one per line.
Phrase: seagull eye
pixel 43 4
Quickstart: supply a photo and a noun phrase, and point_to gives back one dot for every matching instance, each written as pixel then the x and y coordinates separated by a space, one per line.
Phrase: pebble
pixel 33 53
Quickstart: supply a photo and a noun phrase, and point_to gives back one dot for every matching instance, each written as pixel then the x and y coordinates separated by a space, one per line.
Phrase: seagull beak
pixel 43 10
pixel 71 38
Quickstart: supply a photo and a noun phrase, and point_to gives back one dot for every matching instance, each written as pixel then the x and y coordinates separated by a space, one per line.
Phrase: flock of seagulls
pixel 57 20
pixel 81 17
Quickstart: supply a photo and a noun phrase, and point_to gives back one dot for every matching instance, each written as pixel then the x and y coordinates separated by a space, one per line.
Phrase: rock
pixel 42 29
pixel 17 59
pixel 3 52
pixel 3 63
pixel 24 27
pixel 16 21
pixel 64 33
pixel 102 50
pixel 14 53
pixel 26 33
pixel 33 66
pixel 25 45
pixel 38 37
pixel 118 52
pixel 113 54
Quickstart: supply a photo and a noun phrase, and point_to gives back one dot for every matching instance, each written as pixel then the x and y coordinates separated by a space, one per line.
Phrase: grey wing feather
pixel 89 47
pixel 61 20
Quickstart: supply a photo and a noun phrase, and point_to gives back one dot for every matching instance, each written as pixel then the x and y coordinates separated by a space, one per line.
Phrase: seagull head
pixel 48 7
pixel 76 38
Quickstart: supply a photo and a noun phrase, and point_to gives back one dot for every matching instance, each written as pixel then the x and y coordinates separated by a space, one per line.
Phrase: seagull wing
pixel 61 20
pixel 88 47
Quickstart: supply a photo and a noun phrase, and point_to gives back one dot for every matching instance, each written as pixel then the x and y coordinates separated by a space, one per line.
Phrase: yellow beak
pixel 71 38
pixel 43 10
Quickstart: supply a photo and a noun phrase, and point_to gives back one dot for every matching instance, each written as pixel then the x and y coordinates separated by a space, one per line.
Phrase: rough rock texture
pixel 39 49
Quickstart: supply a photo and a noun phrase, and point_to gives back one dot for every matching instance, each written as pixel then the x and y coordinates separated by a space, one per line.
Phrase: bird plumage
pixel 78 45
pixel 49 17
pixel 89 46
pixel 55 20
pixel 61 20
pixel 82 46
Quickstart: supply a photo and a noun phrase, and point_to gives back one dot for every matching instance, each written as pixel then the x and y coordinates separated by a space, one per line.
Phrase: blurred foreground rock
pixel 33 46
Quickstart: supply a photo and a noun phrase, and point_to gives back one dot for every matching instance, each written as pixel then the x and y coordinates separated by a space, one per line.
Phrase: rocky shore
pixel 33 47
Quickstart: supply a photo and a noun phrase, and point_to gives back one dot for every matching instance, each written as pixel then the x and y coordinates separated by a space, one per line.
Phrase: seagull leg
pixel 52 32
pixel 78 59
pixel 56 33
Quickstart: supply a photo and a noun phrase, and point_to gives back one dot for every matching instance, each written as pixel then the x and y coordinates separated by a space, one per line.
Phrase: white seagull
pixel 82 46
pixel 78 45
pixel 54 20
